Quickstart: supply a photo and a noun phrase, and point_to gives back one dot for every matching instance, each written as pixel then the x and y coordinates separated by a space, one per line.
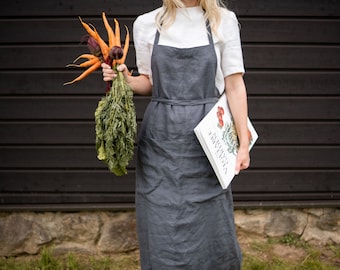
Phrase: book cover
pixel 218 137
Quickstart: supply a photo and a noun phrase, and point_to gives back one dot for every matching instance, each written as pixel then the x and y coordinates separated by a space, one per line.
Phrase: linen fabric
pixel 185 219
pixel 189 31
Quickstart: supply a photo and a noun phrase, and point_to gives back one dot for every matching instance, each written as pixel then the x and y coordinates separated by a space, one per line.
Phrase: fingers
pixel 109 74
pixel 104 65
pixel 123 68
pixel 239 167
pixel 242 162
pixel 245 165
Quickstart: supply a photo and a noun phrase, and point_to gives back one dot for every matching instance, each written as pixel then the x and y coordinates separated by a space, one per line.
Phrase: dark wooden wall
pixel 47 153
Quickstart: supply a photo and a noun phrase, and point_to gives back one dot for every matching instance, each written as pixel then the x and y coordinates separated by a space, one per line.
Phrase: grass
pixel 290 253
pixel 285 253
pixel 48 261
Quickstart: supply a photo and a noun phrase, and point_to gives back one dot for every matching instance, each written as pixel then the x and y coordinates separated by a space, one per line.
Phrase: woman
pixel 188 53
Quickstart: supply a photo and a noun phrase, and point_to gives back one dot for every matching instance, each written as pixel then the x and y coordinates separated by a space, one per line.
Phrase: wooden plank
pixel 65 198
pixel 258 83
pixel 82 108
pixel 67 207
pixel 295 157
pixel 69 30
pixel 56 108
pixel 290 181
pixel 102 181
pixel 56 201
pixel 66 181
pixel 94 201
pixel 286 30
pixel 291 57
pixel 44 133
pixel 261 204
pixel 50 83
pixel 53 108
pixel 55 30
pixel 292 83
pixel 238 204
pixel 85 157
pixel 288 8
pixel 49 133
pixel 47 57
pixel 298 133
pixel 256 57
pixel 292 199
pixel 82 133
pixel 282 185
pixel 52 157
pixel 294 108
pixel 51 8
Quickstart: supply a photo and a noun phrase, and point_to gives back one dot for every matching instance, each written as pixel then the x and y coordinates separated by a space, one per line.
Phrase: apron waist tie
pixel 188 102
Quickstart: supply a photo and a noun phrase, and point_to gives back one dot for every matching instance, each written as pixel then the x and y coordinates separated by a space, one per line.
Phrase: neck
pixel 190 3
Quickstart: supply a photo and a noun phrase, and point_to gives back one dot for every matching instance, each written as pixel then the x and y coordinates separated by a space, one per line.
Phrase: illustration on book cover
pixel 229 134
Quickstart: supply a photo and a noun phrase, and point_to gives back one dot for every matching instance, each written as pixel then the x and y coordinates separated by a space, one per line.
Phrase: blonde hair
pixel 211 12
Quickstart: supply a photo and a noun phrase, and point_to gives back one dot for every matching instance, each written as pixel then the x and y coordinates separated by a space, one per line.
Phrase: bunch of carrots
pixel 115 115
pixel 100 50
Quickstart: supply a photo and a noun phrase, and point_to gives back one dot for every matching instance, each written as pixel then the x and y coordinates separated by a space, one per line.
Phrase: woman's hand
pixel 140 84
pixel 109 74
pixel 242 160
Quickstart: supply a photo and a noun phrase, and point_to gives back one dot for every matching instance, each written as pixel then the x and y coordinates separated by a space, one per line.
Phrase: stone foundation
pixel 318 225
pixel 104 232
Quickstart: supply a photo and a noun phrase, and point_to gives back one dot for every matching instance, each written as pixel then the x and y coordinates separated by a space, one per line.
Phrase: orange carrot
pixel 110 33
pixel 88 29
pixel 126 46
pixel 85 73
pixel 93 33
pixel 86 56
pixel 86 63
pixel 117 34
pixel 103 46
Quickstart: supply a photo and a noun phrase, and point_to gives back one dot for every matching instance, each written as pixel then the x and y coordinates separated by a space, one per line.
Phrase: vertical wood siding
pixel 47 152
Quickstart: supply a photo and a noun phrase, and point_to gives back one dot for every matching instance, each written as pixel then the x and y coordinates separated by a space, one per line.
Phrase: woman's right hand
pixel 108 73
pixel 139 84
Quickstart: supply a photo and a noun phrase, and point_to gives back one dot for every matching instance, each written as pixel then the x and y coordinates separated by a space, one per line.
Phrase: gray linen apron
pixel 184 219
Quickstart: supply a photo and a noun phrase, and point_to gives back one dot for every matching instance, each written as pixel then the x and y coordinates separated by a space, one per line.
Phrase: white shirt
pixel 189 30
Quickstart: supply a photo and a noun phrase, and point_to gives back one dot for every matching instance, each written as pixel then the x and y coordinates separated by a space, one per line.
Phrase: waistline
pixel 185 102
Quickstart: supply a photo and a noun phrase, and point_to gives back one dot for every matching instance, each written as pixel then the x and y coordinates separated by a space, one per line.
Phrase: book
pixel 217 135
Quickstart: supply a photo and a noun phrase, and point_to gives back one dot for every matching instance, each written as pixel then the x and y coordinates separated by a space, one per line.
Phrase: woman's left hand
pixel 242 160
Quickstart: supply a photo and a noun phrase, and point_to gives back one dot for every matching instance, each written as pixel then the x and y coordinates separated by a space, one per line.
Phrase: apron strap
pixel 208 100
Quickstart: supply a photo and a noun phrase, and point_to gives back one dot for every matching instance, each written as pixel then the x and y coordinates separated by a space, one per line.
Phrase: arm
pixel 140 84
pixel 237 99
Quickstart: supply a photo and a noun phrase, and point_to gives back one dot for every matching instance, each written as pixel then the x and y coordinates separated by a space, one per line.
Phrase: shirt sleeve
pixel 143 35
pixel 231 51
